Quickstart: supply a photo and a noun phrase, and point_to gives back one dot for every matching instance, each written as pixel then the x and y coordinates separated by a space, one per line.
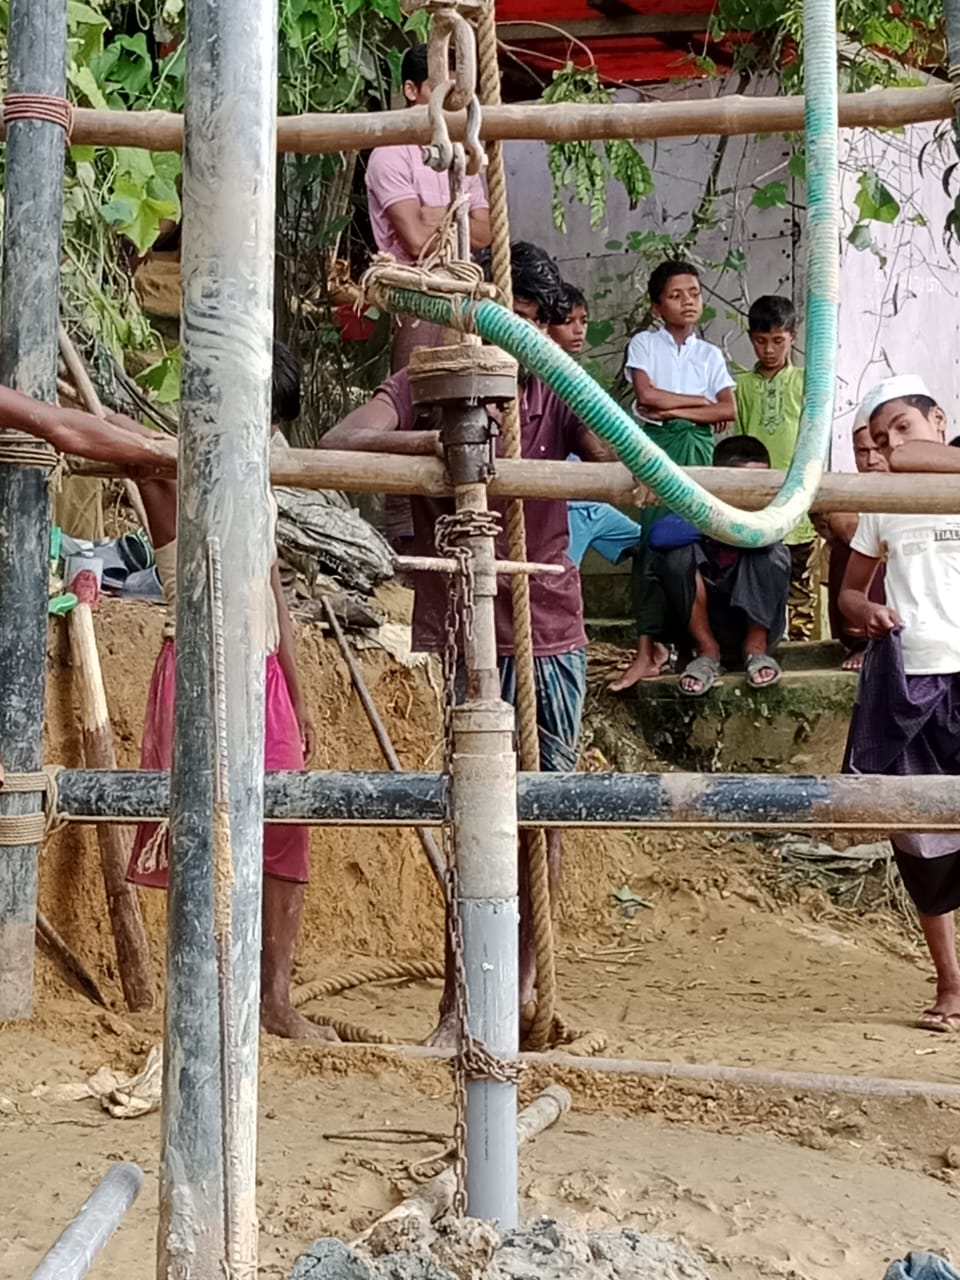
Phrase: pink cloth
pixel 398 173
pixel 286 849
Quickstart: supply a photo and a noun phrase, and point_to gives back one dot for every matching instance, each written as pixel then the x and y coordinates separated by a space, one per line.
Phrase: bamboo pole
pixel 350 472
pixel 71 964
pixel 684 1072
pixel 726 116
pixel 129 935
pixel 88 398
pixel 29 306
pixel 387 749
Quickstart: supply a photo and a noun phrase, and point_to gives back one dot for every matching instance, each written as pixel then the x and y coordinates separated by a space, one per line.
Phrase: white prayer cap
pixel 895 388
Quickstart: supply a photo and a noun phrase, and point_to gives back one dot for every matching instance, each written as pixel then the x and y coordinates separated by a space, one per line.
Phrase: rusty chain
pixel 473 1060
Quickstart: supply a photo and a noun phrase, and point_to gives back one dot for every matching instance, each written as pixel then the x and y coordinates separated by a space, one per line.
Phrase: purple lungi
pixel 905 725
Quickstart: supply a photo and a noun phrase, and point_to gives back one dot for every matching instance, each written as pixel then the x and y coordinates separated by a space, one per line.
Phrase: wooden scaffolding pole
pixel 903 494
pixel 559 122
pixel 208 1215
pixel 37 56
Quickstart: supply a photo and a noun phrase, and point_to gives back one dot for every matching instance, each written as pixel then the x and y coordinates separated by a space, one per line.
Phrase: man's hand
pixel 879 620
pixel 308 734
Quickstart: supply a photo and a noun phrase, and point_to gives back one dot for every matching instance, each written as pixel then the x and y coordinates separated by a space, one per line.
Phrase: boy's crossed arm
pixel 655 403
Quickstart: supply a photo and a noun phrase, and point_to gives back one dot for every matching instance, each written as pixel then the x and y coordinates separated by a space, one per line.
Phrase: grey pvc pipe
pixel 99 1216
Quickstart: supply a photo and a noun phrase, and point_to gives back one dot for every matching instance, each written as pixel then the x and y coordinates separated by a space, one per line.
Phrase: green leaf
pixel 83 155
pixel 875 201
pixel 86 28
pixel 860 237
pixel 136 212
pixel 163 378
pixel 614 245
pixel 736 260
pixel 709 313
pixel 85 85
pixel 797 166
pixel 772 196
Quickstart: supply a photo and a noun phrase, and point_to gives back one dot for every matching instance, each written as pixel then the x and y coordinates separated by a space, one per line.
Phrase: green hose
pixel 672 486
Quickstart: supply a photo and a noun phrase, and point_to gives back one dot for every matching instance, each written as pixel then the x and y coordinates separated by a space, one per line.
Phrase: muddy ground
pixel 719 963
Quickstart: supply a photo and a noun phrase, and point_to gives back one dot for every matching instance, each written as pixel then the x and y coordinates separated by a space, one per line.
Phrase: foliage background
pixel 343 55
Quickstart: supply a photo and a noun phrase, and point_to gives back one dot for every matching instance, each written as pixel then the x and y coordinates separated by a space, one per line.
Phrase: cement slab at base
pixel 736 727
pixel 471 1250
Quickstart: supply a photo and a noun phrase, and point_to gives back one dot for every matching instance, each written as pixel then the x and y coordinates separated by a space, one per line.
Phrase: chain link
pixel 473 1060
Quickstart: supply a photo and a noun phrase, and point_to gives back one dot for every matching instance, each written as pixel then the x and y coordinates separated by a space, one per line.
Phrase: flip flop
pixel 931 1020
pixel 754 663
pixel 706 670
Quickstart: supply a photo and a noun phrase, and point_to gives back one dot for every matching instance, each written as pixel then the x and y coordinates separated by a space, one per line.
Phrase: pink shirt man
pixel 398 173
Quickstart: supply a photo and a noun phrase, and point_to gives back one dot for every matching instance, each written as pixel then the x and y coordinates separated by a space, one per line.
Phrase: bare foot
pixel 641 668
pixel 444 1034
pixel 285 1021
pixel 852 662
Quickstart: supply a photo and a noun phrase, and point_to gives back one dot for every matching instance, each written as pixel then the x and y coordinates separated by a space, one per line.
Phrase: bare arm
pixel 651 399
pixel 82 434
pixel 415 224
pixel 925 455
pixel 712 414
pixel 871 619
pixel 286 656
pixel 592 449
pixel 480 235
pixel 373 429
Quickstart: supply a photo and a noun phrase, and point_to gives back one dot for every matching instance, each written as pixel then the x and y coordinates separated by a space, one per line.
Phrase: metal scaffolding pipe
pixel 29 314
pixel 712 801
pixel 98 1218
pixel 898 494
pixel 728 115
pixel 208 1220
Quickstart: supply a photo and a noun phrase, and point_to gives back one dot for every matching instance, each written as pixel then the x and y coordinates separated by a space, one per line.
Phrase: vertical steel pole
pixel 33 200
pixel 207 1192
pixel 484 806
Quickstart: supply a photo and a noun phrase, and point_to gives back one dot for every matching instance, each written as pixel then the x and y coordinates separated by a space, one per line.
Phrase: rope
pixel 23 451
pixel 541 907
pixel 47 107
pixel 18 830
pixel 375 971
pixel 454 280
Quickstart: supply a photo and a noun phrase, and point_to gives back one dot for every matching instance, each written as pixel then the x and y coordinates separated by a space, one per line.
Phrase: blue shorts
pixel 561 682
pixel 598 525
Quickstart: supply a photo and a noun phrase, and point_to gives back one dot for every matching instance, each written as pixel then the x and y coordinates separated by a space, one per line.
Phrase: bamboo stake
pixel 387 749
pixel 71 964
pixel 129 935
pixel 726 116
pixel 897 494
pixel 88 397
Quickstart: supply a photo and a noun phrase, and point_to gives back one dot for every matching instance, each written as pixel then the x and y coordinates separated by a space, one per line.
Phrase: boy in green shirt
pixel 769 402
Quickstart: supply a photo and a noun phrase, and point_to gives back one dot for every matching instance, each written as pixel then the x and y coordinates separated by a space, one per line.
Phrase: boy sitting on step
pixel 725 603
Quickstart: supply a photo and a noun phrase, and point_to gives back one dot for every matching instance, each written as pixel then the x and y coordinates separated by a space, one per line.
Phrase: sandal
pixel 932 1020
pixel 754 663
pixel 706 670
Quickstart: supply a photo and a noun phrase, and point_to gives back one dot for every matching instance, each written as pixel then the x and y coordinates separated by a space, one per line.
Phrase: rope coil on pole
pixel 47 107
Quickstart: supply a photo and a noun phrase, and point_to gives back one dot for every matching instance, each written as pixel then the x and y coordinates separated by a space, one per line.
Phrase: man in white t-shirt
pixel 907 712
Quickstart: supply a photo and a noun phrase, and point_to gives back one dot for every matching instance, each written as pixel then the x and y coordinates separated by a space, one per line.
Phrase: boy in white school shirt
pixel 683 396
